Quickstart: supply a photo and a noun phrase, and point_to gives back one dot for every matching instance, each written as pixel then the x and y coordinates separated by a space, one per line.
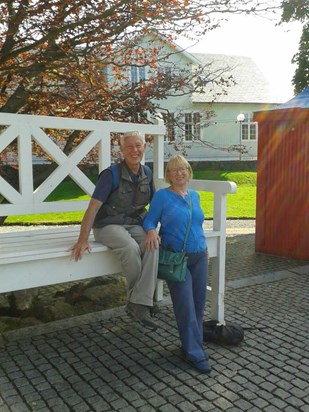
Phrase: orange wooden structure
pixel 282 206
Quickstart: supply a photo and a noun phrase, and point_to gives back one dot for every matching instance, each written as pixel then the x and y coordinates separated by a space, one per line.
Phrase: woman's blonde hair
pixel 177 162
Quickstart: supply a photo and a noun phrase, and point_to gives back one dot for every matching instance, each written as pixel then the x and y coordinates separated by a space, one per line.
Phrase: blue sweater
pixel 173 213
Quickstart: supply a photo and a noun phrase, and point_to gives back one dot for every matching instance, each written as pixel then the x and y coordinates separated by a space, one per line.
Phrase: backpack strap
pixel 115 169
pixel 115 173
pixel 148 172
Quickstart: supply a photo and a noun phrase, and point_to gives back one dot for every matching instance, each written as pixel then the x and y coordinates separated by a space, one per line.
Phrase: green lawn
pixel 240 205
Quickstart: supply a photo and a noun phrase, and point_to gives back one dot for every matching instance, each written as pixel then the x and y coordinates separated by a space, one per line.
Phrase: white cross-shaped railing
pixel 28 129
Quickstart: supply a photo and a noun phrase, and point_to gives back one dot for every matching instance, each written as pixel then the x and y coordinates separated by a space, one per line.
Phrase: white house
pixel 232 127
pixel 230 133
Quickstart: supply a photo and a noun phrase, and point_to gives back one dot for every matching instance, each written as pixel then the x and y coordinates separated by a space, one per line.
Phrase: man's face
pixel 133 150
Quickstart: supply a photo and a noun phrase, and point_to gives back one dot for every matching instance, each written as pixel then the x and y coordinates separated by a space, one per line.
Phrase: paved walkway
pixel 105 362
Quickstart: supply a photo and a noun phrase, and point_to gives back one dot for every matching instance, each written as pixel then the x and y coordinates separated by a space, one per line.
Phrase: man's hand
pixel 82 245
pixel 78 249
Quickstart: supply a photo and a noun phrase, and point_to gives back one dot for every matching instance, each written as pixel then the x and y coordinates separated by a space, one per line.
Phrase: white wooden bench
pixel 40 257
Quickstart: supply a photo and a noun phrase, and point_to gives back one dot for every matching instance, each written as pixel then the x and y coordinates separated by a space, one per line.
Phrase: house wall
pixel 218 139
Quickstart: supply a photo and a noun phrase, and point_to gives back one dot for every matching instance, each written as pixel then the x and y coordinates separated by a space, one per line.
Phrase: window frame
pixel 249 131
pixel 137 74
pixel 192 126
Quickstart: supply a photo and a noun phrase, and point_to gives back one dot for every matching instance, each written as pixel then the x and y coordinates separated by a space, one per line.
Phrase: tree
pixel 56 56
pixel 293 10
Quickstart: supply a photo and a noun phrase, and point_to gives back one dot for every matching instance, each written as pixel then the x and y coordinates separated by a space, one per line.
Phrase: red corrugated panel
pixel 282 215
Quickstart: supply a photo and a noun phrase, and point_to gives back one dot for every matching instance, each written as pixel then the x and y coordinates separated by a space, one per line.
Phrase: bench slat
pixel 57 231
pixel 42 244
pixel 45 253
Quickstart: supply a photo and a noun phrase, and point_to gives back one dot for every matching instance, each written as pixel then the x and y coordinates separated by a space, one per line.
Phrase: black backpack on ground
pixel 228 334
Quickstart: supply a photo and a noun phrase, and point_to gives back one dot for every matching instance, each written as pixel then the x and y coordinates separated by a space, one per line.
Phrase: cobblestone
pixel 104 362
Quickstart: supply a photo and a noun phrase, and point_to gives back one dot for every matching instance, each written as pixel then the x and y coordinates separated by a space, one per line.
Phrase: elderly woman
pixel 171 208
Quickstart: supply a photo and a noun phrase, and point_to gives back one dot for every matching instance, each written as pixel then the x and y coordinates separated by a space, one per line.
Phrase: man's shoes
pixel 141 313
pixel 154 310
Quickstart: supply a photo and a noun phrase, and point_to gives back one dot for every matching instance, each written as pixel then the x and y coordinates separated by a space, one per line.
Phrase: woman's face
pixel 178 174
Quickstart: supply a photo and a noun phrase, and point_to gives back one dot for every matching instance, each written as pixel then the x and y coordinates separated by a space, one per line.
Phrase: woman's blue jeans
pixel 188 299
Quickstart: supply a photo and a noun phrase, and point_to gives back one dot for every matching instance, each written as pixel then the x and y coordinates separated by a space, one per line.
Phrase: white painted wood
pixel 25 164
pixel 34 258
pixel 30 128
pixel 158 158
pixel 37 208
pixel 7 136
pixel 9 193
pixel 104 147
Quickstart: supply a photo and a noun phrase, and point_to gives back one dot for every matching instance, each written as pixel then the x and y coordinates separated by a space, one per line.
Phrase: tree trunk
pixel 16 101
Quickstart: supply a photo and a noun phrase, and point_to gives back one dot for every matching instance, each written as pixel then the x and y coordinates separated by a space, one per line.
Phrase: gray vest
pixel 126 205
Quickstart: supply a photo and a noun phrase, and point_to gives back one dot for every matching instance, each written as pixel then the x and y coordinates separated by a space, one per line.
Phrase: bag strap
pixel 189 224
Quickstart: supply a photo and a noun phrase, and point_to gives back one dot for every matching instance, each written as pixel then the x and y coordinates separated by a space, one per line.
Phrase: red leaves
pixel 73 58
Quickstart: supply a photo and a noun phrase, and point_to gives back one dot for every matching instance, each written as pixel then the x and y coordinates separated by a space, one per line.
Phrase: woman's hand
pixel 152 240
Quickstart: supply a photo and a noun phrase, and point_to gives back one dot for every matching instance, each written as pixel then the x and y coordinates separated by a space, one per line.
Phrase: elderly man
pixel 116 216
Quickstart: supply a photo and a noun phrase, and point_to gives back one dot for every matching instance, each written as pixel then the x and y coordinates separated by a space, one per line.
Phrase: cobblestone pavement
pixel 105 362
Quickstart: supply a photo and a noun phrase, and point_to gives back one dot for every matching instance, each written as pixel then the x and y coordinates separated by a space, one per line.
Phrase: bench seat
pixel 41 257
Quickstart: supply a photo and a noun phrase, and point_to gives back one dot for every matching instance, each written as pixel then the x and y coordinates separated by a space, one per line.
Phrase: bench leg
pixel 217 290
pixel 159 291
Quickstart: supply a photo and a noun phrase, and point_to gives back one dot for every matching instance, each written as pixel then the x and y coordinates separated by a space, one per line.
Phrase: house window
pixel 166 70
pixel 192 126
pixel 169 121
pixel 137 74
pixel 249 131
pixel 165 75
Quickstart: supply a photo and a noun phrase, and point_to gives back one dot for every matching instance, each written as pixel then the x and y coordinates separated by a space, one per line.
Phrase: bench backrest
pixel 28 129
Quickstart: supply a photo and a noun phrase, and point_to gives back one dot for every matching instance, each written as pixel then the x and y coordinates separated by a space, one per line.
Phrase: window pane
pixel 244 131
pixel 188 126
pixel 133 74
pixel 142 75
pixel 197 125
pixel 253 131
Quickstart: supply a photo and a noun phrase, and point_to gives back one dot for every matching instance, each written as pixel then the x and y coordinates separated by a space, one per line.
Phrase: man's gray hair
pixel 132 133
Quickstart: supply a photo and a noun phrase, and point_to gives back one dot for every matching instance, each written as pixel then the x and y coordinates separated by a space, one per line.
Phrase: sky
pixel 271 47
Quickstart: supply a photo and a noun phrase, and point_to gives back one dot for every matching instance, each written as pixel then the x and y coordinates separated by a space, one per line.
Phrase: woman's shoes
pixel 183 353
pixel 201 366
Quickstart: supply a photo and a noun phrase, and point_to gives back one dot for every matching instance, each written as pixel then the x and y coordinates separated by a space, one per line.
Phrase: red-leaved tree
pixel 63 58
